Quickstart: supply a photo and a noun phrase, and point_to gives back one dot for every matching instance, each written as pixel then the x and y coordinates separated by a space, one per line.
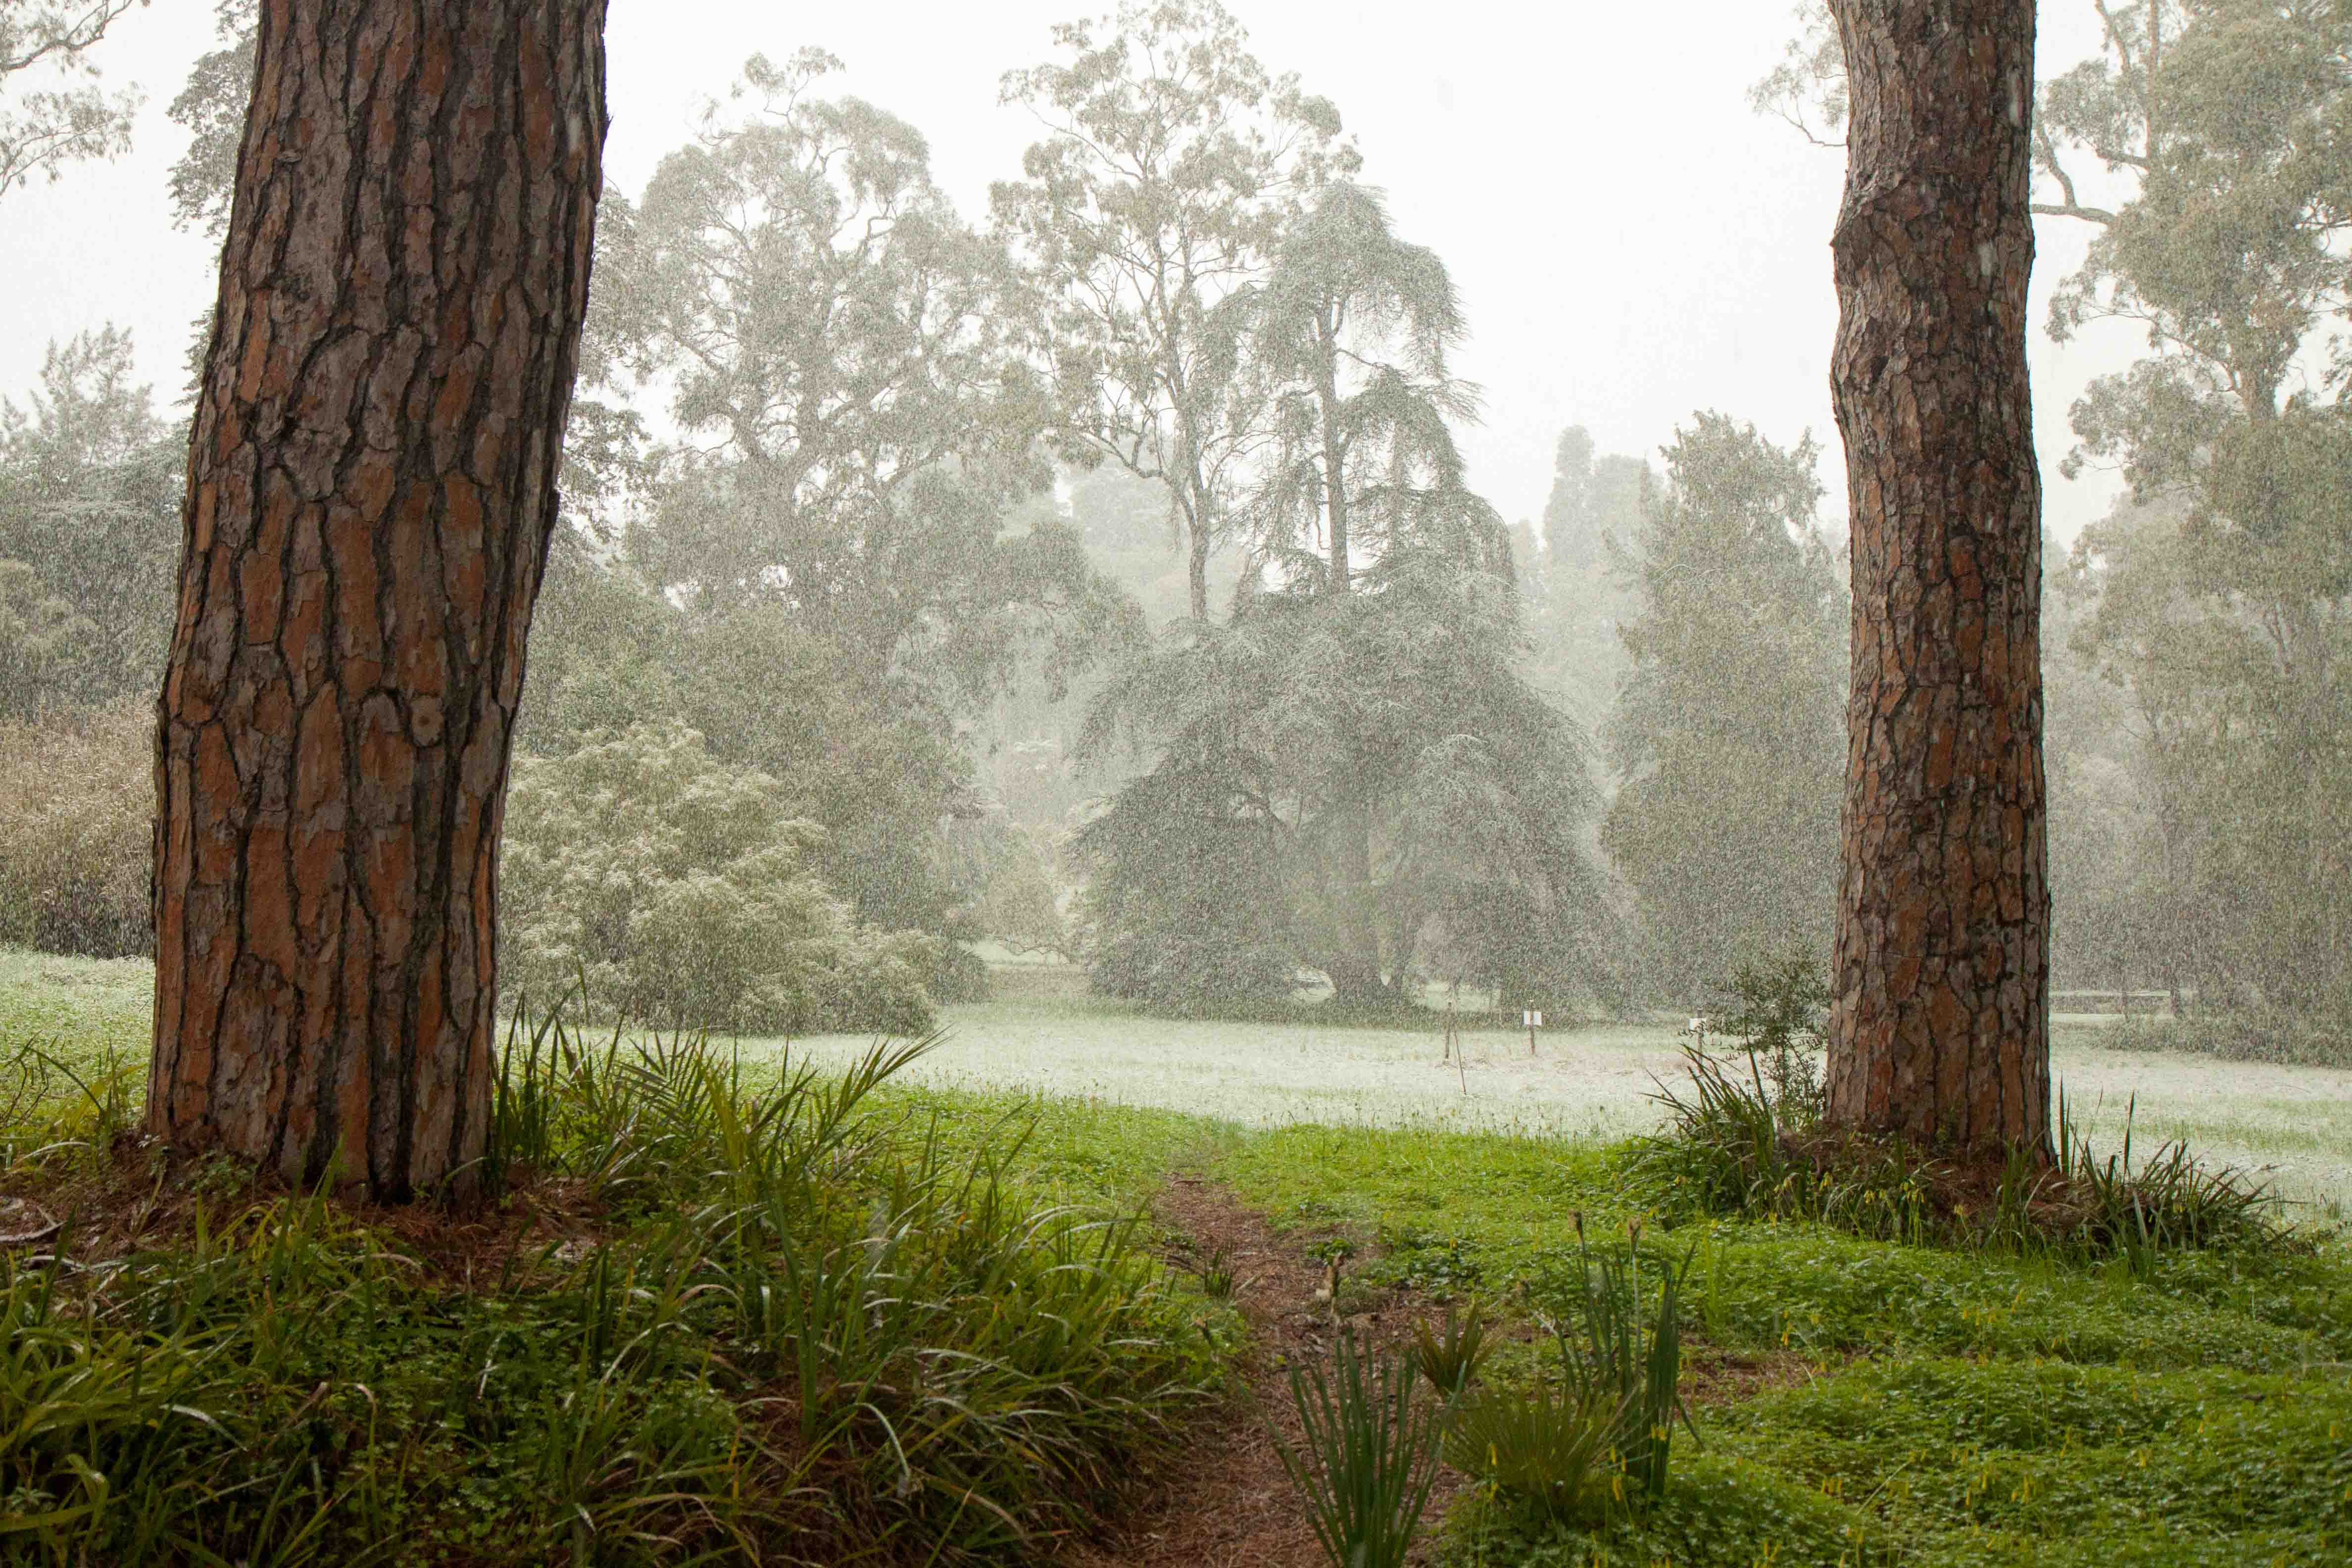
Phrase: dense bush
pixel 680 889
pixel 788 1324
pixel 2284 1037
pixel 77 811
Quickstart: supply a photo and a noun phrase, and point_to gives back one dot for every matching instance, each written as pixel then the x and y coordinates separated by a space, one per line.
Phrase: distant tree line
pixel 1103 577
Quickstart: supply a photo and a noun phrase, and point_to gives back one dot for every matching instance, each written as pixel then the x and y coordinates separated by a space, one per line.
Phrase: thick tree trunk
pixel 370 496
pixel 1940 1026
pixel 1356 976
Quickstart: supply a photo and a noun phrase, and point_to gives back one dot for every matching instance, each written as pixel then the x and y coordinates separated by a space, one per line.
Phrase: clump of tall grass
pixel 1609 1404
pixel 1628 1357
pixel 1451 1357
pixel 1731 1146
pixel 53 1107
pixel 1371 1454
pixel 1539 1444
pixel 2170 1202
pixel 799 1328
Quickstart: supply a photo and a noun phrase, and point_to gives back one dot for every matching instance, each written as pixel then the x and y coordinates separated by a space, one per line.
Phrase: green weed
pixel 1371 1455
pixel 1451 1357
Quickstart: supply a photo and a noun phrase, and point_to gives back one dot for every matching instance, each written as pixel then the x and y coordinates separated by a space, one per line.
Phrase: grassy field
pixel 2291 1125
pixel 1862 1403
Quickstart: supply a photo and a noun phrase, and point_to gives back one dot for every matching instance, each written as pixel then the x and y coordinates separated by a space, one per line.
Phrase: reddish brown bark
pixel 371 495
pixel 1940 1025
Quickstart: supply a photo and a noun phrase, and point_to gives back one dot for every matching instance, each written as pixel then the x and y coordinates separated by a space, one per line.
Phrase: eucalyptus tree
pixel 2231 256
pixel 1729 733
pixel 43 128
pixel 855 430
pixel 370 499
pixel 853 419
pixel 1171 164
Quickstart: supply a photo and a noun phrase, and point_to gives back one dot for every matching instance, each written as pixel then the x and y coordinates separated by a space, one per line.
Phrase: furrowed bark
pixel 370 497
pixel 1940 1025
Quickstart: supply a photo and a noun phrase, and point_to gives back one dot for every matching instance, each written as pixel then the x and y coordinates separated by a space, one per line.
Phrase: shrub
pixel 76 834
pixel 1777 1007
pixel 2286 1038
pixel 1536 1444
pixel 1372 1455
pixel 679 889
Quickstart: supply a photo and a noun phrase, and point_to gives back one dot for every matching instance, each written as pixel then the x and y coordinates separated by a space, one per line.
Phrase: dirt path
pixel 1225 1501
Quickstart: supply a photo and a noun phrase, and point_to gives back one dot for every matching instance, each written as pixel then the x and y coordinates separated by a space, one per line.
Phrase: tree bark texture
pixel 370 497
pixel 1939 1022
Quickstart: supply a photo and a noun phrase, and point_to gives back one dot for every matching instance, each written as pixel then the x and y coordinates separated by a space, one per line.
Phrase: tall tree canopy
pixel 853 420
pixel 1170 162
pixel 1349 338
pixel 1729 727
pixel 44 128
pixel 1361 722
pixel 2226 593
pixel 839 514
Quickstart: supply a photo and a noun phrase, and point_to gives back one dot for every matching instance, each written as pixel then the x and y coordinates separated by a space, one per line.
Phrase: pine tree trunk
pixel 1940 1026
pixel 370 496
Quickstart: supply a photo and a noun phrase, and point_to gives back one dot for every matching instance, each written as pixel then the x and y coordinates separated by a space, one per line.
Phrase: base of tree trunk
pixel 1360 983
pixel 2020 1197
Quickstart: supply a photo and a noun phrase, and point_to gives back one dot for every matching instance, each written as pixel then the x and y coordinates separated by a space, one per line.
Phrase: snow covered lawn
pixel 2293 1124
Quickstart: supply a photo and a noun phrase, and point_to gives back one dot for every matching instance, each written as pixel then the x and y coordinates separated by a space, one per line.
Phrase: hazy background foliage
pixel 1099 575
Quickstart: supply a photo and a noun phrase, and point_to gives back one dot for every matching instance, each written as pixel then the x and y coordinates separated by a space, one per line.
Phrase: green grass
pixel 2292 1125
pixel 1950 1408
pixel 1927 1408
pixel 77 1008
pixel 785 1315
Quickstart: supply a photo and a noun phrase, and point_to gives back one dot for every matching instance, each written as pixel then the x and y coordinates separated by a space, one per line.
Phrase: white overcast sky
pixel 1631 242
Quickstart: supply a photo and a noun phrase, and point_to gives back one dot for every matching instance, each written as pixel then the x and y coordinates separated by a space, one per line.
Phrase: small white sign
pixel 1530 1019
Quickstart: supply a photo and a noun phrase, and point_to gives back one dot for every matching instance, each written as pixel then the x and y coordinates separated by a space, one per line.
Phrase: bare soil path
pixel 1224 1500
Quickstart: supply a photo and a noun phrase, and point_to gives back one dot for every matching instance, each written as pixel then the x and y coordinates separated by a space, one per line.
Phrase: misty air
pixel 1207 783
